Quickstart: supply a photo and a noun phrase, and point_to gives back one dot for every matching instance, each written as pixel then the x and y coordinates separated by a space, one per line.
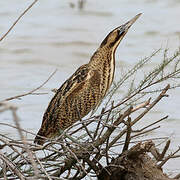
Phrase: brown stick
pixel 167 158
pixel 142 129
pixel 27 9
pixel 11 166
pixel 16 120
pixel 164 150
pixel 102 139
pixel 128 135
pixel 47 175
pixel 32 91
pixel 162 94
pixel 143 105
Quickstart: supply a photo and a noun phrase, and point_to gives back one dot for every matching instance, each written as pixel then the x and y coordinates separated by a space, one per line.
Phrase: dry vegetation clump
pixel 104 149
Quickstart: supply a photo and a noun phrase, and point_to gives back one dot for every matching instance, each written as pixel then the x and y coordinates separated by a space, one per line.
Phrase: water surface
pixel 53 35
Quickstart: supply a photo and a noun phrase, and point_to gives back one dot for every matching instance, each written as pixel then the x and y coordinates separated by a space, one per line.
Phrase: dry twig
pixel 32 91
pixel 24 12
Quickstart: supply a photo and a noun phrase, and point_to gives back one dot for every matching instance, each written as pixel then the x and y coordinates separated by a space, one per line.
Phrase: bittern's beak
pixel 115 36
pixel 124 28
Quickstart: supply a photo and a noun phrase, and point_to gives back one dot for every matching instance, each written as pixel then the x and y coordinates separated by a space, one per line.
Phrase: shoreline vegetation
pixel 113 148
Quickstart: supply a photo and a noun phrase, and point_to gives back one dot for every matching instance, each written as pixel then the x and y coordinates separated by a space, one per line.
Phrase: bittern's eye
pixel 120 30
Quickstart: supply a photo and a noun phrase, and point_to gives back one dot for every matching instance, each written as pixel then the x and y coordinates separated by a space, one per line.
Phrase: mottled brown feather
pixel 85 89
pixel 76 97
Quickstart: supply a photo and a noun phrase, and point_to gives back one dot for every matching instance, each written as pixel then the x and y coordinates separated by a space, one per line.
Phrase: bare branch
pixel 167 158
pixel 16 120
pixel 32 91
pixel 24 12
pixel 143 105
pixel 128 135
pixel 142 114
pixel 11 166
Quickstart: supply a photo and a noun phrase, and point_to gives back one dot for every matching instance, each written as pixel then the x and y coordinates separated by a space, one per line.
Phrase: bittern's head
pixel 113 39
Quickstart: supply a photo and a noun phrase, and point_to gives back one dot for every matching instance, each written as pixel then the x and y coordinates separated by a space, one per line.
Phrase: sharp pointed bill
pixel 125 27
pixel 132 21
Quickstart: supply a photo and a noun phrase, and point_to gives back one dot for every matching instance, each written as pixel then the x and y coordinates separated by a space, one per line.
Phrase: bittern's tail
pixel 39 140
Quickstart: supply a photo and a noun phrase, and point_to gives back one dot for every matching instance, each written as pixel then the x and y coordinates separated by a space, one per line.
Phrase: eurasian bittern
pixel 85 89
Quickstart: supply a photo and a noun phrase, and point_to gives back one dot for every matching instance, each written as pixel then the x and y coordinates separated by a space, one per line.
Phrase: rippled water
pixel 53 35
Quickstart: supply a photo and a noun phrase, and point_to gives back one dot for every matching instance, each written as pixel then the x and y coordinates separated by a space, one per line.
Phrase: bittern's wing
pixel 72 89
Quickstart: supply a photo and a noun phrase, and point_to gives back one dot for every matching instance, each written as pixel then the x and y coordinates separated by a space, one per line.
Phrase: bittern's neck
pixel 102 56
pixel 103 61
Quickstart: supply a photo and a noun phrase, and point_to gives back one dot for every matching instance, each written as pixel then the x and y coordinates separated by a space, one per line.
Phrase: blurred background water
pixel 54 35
